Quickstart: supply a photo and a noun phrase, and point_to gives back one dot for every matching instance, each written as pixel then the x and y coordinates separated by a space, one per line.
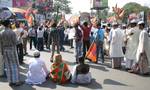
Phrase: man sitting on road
pixel 81 74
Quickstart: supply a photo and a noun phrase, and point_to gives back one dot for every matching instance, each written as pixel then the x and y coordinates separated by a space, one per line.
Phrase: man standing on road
pixel 78 42
pixel 143 52
pixel 54 38
pixel 99 38
pixel 116 43
pixel 9 41
pixel 86 36
pixel 19 32
pixel 32 35
pixel 132 44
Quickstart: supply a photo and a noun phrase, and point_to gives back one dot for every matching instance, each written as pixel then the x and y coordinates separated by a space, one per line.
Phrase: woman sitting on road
pixel 59 71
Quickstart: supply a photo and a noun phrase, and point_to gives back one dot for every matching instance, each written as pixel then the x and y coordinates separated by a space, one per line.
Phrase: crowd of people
pixel 120 42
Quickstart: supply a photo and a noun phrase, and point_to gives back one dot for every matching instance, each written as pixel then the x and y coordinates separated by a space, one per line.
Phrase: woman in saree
pixel 59 71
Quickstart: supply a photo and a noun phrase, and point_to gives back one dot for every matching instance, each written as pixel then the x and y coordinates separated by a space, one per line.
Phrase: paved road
pixel 104 78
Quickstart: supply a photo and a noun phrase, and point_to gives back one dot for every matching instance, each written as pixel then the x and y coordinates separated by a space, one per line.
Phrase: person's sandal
pixel 16 84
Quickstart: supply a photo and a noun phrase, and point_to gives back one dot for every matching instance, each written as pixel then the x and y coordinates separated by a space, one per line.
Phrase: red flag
pixel 91 53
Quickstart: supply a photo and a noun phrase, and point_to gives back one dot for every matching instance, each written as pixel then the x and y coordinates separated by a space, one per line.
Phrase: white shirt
pixel 116 43
pixel 132 43
pixel 37 71
pixel 80 78
pixel 71 33
pixel 144 45
pixel 40 33
pixel 25 34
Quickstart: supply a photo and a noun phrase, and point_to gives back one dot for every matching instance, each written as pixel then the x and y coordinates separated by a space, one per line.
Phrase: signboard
pixel 99 3
pixel 141 16
pixel 84 17
pixel 19 3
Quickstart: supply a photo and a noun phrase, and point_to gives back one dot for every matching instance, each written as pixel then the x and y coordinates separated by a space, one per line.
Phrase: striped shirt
pixel 8 38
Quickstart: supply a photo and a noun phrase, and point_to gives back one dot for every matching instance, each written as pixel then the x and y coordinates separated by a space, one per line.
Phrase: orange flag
pixel 91 53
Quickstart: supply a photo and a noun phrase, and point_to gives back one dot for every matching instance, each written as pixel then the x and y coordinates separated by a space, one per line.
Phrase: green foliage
pixel 62 6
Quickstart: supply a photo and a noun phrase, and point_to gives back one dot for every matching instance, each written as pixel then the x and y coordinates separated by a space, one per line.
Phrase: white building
pixel 6 3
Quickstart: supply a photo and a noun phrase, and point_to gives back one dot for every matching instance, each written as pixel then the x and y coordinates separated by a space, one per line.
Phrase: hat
pixel 140 22
pixel 36 53
pixel 133 21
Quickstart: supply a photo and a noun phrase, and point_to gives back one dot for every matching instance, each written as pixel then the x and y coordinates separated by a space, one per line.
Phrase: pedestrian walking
pixel 40 38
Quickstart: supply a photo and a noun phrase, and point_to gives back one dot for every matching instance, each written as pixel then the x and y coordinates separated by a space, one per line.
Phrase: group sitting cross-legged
pixel 59 71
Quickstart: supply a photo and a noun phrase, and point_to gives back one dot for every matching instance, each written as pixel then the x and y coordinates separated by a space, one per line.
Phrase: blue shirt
pixel 99 34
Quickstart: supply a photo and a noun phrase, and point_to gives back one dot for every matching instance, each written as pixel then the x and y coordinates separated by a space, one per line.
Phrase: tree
pixel 62 6
pixel 133 7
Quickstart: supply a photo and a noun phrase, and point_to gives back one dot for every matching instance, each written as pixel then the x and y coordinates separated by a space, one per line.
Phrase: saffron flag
pixel 29 17
pixel 91 53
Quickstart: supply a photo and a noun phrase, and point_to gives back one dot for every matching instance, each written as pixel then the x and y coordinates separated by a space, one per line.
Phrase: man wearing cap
pixel 37 70
pixel 143 52
pixel 116 44
pixel 132 44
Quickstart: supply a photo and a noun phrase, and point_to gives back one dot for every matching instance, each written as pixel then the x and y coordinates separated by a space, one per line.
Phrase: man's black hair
pixel 85 24
pixel 98 24
pixel 6 23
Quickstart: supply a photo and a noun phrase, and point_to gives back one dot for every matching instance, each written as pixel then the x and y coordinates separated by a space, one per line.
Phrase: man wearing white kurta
pixel 37 70
pixel 143 51
pixel 132 45
pixel 116 43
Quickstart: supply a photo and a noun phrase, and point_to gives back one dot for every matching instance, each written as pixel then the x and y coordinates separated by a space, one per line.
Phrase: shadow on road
pixel 67 51
pixel 93 85
pixel 24 87
pixel 48 84
pixel 113 82
pixel 99 67
pixel 3 79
